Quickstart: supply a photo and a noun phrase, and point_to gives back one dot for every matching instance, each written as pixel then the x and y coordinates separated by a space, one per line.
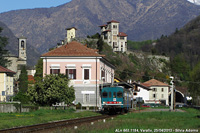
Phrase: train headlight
pixel 104 102
pixel 120 102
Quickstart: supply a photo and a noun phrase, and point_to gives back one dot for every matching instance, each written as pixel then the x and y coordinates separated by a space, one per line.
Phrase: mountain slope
pixel 32 53
pixel 140 19
pixel 184 42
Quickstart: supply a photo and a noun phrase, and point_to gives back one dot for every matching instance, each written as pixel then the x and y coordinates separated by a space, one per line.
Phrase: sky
pixel 8 5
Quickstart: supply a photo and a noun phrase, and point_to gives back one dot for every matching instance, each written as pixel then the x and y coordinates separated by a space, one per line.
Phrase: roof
pixel 113 21
pixel 103 25
pixel 122 34
pixel 154 82
pixel 107 31
pixel 5 70
pixel 73 49
pixel 141 85
pixel 31 78
pixel 71 28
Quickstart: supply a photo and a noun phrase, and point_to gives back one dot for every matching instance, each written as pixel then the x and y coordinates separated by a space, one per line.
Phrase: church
pixel 21 60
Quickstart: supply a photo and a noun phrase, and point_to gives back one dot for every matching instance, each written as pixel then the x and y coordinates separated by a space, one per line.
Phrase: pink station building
pixel 86 68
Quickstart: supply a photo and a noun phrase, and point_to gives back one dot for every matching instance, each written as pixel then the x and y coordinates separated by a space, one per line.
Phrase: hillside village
pixel 88 70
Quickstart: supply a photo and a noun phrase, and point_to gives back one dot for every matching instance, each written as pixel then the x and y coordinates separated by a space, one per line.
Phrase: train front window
pixel 109 94
pixel 119 94
pixel 114 95
pixel 105 94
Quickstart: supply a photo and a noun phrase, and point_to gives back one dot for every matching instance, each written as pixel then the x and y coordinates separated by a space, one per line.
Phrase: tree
pixel 23 80
pixel 180 67
pixel 100 44
pixel 23 86
pixel 39 70
pixel 194 85
pixel 3 42
pixel 53 89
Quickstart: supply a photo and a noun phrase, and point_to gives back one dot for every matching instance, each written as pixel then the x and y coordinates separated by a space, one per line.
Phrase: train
pixel 116 99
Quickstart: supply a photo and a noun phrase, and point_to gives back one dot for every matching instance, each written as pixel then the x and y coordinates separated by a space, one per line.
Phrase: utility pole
pixel 172 93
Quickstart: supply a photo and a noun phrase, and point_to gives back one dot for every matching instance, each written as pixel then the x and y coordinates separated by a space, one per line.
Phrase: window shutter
pixel 66 73
pixel 50 71
pixel 74 73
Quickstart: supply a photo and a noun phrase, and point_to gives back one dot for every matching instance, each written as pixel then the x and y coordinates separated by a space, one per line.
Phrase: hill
pixel 140 19
pixel 184 42
pixel 32 53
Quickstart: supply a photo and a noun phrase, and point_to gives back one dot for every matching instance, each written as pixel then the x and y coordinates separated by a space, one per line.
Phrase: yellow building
pixel 71 33
pixel 6 84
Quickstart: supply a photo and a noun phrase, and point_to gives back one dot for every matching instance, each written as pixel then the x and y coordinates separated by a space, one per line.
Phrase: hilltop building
pixel 84 66
pixel 6 84
pixel 71 34
pixel 111 35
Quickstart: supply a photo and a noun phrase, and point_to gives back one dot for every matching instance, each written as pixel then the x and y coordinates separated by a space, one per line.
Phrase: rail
pixel 51 125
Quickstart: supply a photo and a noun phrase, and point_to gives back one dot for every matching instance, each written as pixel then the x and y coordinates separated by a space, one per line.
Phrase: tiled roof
pixel 73 49
pixel 122 34
pixel 154 82
pixel 5 70
pixel 113 21
pixel 31 78
pixel 103 25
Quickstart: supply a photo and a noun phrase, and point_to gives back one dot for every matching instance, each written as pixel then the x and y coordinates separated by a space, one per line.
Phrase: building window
pixel 121 38
pixel 114 37
pixel 162 95
pixel 22 44
pixel 103 75
pixel 105 36
pixel 162 89
pixel 154 95
pixel 154 89
pixel 115 45
pixel 54 71
pixel 86 98
pixel 86 74
pixel 10 89
pixel 71 73
pixel 114 26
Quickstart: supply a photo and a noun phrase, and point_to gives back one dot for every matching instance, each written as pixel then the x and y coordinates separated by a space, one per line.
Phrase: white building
pixel 159 92
pixel 111 35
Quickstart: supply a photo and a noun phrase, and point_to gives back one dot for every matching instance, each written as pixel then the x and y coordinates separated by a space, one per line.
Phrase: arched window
pixel 22 44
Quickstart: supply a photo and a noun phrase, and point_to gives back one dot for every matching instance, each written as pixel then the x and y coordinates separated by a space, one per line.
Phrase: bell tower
pixel 22 48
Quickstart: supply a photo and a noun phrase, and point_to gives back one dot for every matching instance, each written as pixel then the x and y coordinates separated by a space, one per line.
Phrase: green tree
pixel 3 42
pixel 180 67
pixel 23 86
pixel 100 44
pixel 194 85
pixel 23 80
pixel 53 89
pixel 39 70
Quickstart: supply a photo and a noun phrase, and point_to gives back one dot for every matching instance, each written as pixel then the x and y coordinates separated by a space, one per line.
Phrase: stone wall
pixel 8 108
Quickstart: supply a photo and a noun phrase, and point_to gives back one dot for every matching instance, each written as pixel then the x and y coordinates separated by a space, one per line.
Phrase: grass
pixel 9 120
pixel 145 120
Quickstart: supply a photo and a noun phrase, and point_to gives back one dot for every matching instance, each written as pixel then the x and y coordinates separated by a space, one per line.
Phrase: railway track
pixel 51 125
